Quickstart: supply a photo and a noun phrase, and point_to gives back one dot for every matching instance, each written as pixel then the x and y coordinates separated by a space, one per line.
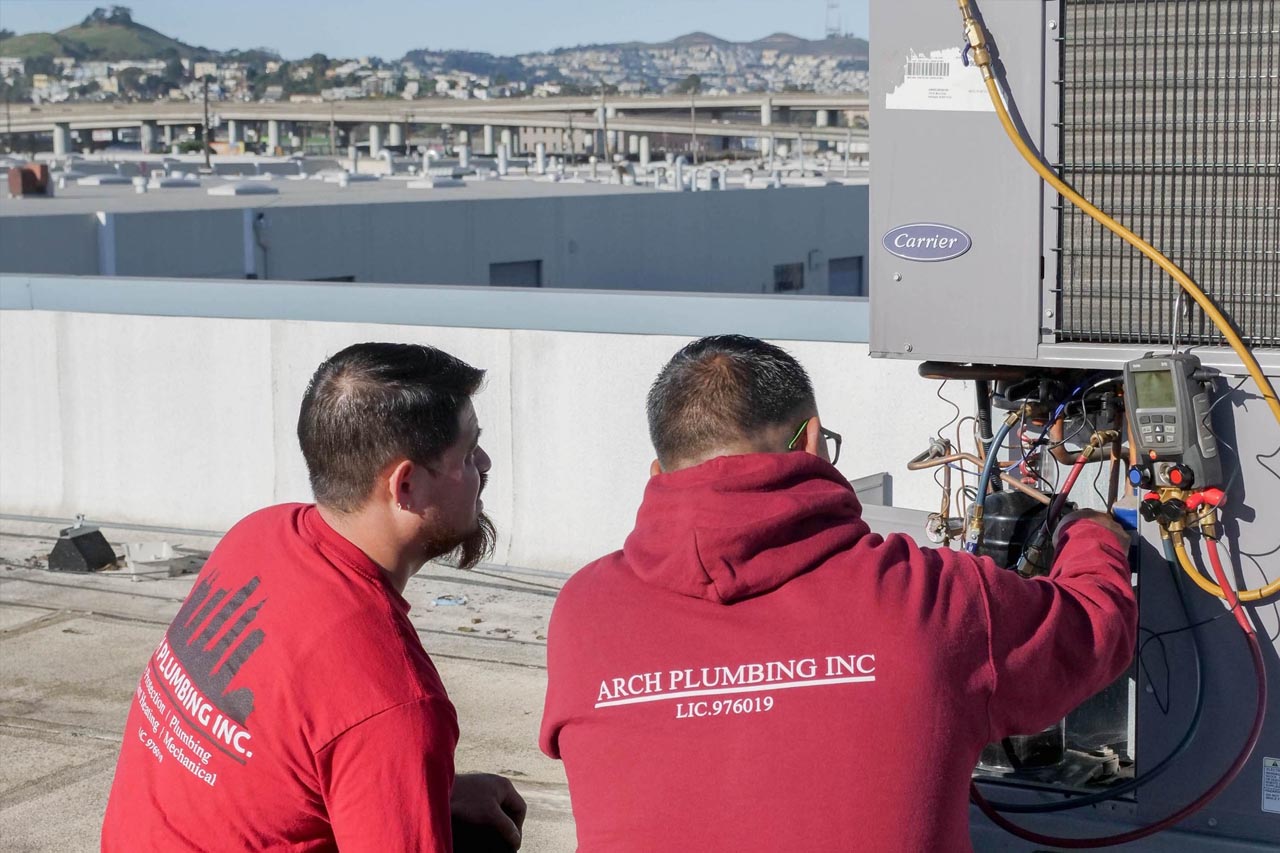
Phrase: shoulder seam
pixel 419 700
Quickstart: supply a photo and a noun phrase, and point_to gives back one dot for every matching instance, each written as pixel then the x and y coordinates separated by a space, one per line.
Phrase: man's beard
pixel 475 546
pixel 465 551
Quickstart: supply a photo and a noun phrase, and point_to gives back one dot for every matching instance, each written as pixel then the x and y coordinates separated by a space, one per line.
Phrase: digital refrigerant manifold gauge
pixel 1167 398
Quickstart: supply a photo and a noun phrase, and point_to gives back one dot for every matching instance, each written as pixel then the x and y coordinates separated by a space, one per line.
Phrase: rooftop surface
pixel 73 647
pixel 292 190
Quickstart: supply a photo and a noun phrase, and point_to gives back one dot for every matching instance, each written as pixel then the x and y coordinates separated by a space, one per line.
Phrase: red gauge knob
pixel 1181 476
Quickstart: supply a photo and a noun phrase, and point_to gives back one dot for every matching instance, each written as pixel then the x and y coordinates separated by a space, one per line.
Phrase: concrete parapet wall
pixel 189 421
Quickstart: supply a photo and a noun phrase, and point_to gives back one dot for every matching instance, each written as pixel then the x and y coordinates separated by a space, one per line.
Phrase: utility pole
pixel 693 123
pixel 604 123
pixel 204 140
pixel 333 132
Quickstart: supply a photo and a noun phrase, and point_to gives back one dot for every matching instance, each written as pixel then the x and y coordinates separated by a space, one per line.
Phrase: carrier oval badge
pixel 926 241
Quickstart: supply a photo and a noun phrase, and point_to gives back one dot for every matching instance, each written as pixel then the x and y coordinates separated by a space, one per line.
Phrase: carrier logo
pixel 926 241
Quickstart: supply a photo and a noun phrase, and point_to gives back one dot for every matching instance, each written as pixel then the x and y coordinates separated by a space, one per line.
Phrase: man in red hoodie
pixel 290 704
pixel 756 670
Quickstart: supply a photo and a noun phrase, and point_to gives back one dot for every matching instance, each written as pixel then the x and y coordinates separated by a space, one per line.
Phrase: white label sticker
pixel 939 80
pixel 1271 785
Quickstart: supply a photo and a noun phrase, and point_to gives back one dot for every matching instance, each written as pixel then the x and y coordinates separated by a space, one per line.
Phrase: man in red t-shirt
pixel 756 670
pixel 290 704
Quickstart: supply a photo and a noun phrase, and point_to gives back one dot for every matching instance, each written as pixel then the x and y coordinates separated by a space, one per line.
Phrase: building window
pixel 788 277
pixel 516 274
pixel 845 277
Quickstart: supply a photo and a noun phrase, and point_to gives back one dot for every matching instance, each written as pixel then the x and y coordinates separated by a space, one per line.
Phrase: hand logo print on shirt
pixel 212 651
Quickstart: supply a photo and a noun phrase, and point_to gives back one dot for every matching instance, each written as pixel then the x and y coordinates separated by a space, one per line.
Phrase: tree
pixel 114 15
pixel 130 80
pixel 689 85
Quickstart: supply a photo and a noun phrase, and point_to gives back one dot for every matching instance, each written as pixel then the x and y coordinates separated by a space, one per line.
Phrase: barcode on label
pixel 928 68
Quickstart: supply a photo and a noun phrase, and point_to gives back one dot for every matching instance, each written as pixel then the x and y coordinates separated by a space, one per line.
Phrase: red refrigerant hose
pixel 1259 668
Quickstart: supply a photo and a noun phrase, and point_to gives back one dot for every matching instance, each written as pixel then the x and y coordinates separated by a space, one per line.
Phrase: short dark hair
pixel 724 388
pixel 375 402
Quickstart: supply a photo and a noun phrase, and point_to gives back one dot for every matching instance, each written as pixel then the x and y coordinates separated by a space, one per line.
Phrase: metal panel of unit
pixel 941 157
pixel 1171 123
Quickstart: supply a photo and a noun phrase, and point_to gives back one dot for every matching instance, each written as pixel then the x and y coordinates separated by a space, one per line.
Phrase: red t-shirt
pixel 290 706
pixel 756 671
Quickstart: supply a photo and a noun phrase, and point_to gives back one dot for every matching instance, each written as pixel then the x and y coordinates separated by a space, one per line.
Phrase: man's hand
pixel 1103 519
pixel 484 800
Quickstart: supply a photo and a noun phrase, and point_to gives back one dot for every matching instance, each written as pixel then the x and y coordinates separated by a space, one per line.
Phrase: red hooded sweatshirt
pixel 756 671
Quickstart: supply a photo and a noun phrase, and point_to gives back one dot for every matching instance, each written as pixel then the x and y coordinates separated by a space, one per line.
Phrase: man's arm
pixel 1056 641
pixel 387 781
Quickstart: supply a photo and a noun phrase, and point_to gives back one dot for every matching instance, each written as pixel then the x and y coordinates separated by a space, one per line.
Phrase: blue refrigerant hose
pixel 988 467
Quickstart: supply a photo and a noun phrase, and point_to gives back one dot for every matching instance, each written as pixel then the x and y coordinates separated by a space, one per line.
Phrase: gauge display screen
pixel 1154 389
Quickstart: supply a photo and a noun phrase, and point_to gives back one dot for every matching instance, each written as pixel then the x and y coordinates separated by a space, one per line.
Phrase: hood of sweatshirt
pixel 738 526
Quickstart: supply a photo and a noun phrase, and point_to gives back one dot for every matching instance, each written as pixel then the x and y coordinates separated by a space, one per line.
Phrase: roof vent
pixel 104 180
pixel 244 188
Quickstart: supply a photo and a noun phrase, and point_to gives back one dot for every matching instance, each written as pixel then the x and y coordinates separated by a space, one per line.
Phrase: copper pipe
pixel 1113 488
pixel 922 462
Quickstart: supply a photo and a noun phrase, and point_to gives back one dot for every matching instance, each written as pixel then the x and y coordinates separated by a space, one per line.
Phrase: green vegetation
pixel 105 35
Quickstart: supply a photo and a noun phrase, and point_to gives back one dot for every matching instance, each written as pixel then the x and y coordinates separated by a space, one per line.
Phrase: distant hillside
pixel 105 35
pixel 36 46
pixel 841 46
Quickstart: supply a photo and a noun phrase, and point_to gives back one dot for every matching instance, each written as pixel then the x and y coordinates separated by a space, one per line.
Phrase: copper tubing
pixel 1113 487
pixel 922 462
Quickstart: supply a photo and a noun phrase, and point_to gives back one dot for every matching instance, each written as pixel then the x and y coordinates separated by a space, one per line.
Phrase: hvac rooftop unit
pixel 1166 115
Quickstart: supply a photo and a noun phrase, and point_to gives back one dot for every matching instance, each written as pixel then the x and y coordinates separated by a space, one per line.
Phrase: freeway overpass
pixel 827 118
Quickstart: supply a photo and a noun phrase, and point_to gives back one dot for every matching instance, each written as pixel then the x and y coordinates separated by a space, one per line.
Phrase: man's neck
pixel 372 537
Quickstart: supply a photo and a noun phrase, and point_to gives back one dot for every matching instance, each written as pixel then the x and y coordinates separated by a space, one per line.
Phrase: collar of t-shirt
pixel 346 554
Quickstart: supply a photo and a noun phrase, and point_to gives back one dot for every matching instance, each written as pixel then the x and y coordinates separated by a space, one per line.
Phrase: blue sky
pixel 388 28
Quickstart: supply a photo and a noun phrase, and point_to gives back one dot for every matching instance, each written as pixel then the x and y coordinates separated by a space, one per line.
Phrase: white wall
pixel 189 422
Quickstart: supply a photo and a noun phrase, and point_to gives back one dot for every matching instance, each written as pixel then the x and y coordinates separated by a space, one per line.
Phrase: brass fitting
pixel 976 36
pixel 1207 519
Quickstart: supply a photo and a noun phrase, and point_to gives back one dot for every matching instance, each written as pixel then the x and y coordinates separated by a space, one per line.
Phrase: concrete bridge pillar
pixel 167 130
pixel 147 137
pixel 488 140
pixel 396 134
pixel 61 140
pixel 643 150
pixel 633 144
pixel 824 118
pixel 273 135
pixel 375 139
pixel 766 112
pixel 541 152
pixel 233 133
pixel 504 139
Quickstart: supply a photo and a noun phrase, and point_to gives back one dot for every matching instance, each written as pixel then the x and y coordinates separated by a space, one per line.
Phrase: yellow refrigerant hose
pixel 976 36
